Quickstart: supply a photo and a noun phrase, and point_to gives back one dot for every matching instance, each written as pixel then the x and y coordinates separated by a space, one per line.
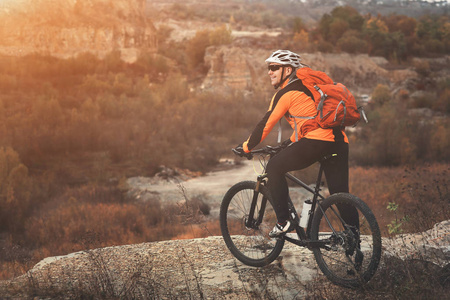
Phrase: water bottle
pixel 305 213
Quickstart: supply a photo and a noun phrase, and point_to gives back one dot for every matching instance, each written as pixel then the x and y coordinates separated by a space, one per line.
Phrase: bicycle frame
pixel 347 252
pixel 304 235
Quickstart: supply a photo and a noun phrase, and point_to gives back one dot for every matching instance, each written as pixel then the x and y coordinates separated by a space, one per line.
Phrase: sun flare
pixel 11 6
pixel 11 2
pixel 5 3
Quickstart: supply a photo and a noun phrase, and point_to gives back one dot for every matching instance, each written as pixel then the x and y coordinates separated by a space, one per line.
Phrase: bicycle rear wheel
pixel 352 255
pixel 247 236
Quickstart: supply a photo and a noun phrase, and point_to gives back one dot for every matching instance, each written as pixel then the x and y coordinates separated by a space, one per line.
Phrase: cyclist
pixel 305 146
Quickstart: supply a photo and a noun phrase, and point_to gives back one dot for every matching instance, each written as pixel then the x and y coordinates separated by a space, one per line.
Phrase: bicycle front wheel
pixel 352 252
pixel 245 227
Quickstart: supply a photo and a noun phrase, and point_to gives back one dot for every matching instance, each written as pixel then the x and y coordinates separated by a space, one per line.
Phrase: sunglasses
pixel 274 68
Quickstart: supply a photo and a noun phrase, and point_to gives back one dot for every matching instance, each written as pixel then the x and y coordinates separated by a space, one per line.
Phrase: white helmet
pixel 285 57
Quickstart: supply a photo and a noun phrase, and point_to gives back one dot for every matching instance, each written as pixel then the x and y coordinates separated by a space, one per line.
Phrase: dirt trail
pixel 212 186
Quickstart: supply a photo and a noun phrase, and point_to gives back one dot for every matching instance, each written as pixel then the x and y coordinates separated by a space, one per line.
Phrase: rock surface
pixel 243 68
pixel 433 245
pixel 194 269
pixel 67 28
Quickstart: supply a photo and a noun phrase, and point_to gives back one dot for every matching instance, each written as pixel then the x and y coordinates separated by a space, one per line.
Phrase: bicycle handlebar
pixel 268 150
pixel 241 154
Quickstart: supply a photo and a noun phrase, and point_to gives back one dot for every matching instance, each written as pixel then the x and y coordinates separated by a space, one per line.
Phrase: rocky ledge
pixel 196 269
pixel 188 269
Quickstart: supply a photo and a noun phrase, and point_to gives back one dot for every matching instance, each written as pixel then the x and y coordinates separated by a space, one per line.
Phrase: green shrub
pixel 424 100
pixel 220 36
pixel 381 94
pixel 15 191
pixel 351 43
pixel 442 104
pixel 195 48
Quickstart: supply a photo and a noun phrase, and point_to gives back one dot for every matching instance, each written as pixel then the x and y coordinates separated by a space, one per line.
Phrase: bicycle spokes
pixel 352 240
pixel 246 220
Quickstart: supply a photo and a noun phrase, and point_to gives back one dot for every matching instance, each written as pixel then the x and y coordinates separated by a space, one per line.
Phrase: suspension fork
pixel 250 222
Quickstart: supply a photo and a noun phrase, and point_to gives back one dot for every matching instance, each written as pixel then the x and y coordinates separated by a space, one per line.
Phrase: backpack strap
pixel 295 84
pixel 302 88
pixel 345 112
pixel 323 96
pixel 295 124
pixel 280 132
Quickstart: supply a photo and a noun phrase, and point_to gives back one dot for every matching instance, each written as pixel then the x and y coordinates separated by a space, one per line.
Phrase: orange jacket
pixel 293 99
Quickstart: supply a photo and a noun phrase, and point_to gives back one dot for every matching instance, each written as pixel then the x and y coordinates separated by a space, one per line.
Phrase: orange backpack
pixel 336 106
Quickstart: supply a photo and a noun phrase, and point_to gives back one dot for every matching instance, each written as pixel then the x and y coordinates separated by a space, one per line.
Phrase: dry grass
pixel 421 192
pixel 92 216
pixel 395 279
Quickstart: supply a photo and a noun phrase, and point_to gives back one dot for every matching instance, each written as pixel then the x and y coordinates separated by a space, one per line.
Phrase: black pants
pixel 300 155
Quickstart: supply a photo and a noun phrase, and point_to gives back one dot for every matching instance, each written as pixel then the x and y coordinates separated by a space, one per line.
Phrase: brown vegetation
pixel 395 36
pixel 398 135
pixel 421 192
pixel 71 130
pixel 93 216
pixel 90 217
pixel 396 279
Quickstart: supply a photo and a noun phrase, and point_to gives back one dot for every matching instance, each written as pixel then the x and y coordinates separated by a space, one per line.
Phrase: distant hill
pixel 67 28
pixel 312 10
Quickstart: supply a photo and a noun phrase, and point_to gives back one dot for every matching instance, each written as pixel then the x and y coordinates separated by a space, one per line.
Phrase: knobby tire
pixel 250 244
pixel 341 262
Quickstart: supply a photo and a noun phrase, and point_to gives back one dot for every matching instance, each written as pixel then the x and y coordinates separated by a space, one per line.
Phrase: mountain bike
pixel 348 255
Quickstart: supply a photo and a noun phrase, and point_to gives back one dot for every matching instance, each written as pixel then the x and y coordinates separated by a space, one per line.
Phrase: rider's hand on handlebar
pixel 240 151
pixel 285 143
